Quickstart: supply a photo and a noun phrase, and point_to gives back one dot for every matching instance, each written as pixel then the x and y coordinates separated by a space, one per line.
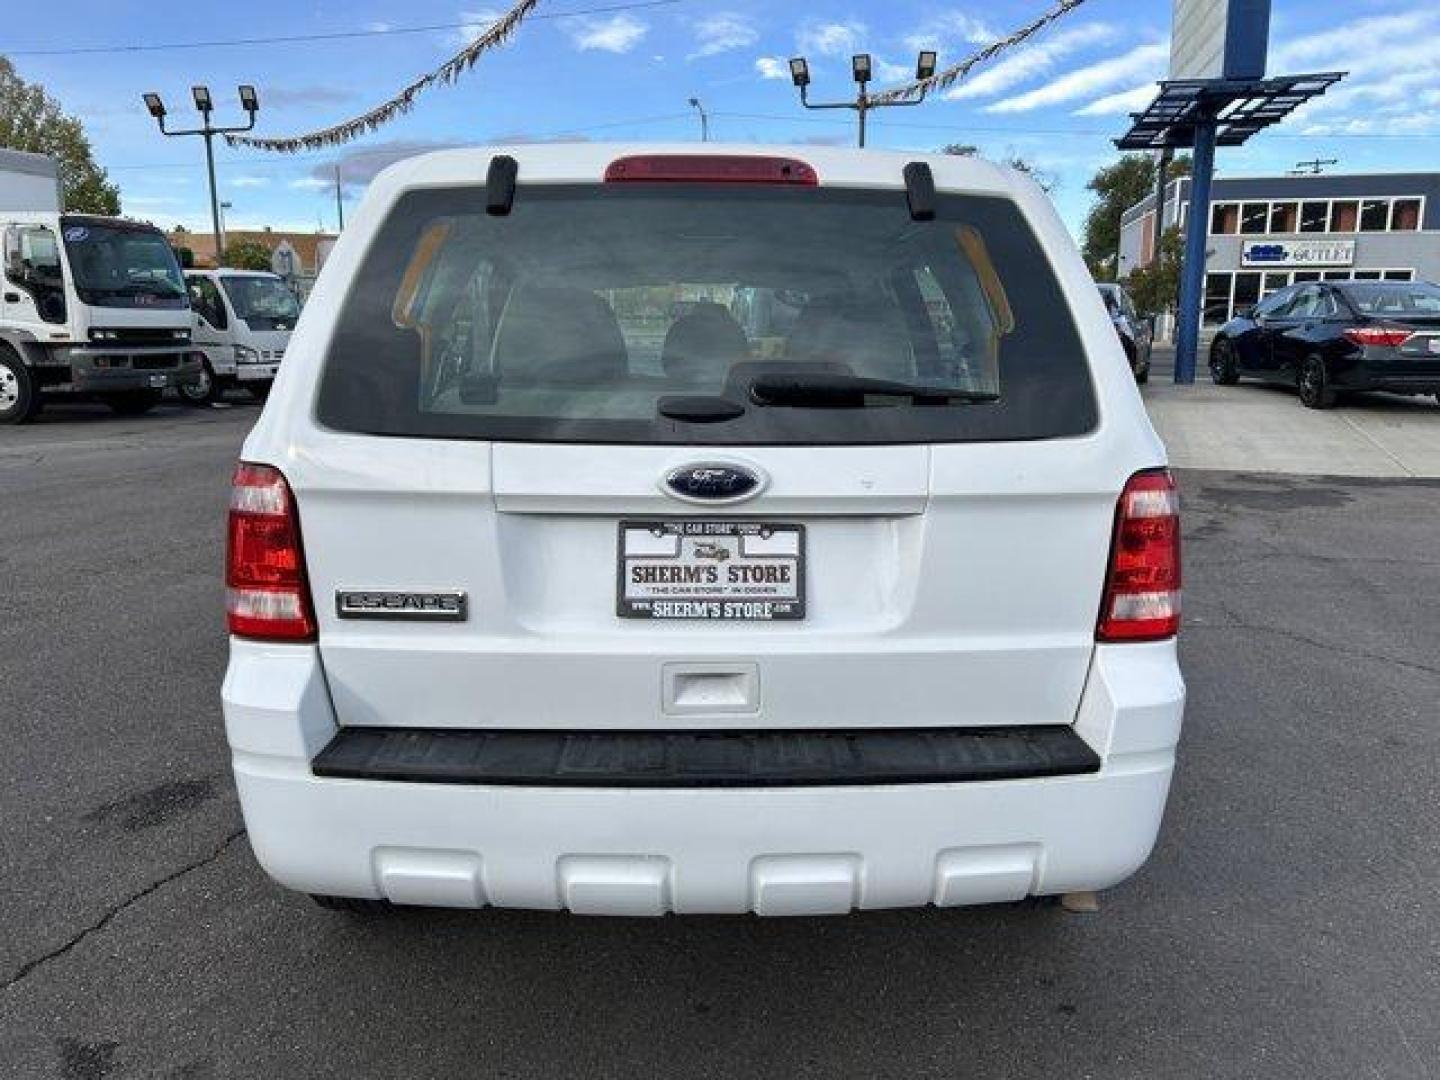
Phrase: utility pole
pixel 704 120
pixel 1162 171
pixel 339 201
pixel 204 104
pixel 861 67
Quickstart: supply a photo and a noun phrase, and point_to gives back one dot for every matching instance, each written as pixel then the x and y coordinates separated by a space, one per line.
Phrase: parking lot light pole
pixel 704 119
pixel 205 105
pixel 862 68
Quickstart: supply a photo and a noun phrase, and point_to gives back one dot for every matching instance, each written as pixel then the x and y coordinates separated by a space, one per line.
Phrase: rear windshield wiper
pixel 835 391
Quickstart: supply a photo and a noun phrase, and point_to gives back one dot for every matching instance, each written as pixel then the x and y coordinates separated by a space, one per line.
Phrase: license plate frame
pixel 761 550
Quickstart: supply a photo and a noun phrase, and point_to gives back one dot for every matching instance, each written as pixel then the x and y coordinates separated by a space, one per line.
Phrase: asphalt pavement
pixel 1259 427
pixel 1287 924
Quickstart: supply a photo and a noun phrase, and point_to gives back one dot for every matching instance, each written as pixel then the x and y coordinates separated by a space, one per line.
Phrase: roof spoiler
pixel 500 185
pixel 920 190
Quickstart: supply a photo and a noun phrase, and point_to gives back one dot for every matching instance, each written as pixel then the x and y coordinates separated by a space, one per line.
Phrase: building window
pixel 1342 215
pixel 1284 216
pixel 1217 299
pixel 1405 217
pixel 1275 282
pixel 1254 216
pixel 1399 275
pixel 1225 219
pixel 1306 275
pixel 1337 275
pixel 1247 290
pixel 1374 215
pixel 1313 216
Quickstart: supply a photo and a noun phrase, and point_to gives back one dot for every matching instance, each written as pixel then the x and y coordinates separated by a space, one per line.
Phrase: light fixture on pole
pixel 862 68
pixel 205 105
pixel 704 119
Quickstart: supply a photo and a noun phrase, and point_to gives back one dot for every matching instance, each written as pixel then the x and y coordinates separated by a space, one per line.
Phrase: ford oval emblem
pixel 713 482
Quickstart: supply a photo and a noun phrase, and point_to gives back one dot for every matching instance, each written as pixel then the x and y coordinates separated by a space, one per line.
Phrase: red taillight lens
pixel 266 595
pixel 1378 335
pixel 710 169
pixel 1142 588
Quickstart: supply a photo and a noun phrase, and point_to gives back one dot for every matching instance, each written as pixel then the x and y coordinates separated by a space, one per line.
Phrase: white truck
pixel 243 320
pixel 89 306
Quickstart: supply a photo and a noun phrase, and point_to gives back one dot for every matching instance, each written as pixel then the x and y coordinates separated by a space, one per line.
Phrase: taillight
pixel 266 595
pixel 1142 586
pixel 1378 335
pixel 710 169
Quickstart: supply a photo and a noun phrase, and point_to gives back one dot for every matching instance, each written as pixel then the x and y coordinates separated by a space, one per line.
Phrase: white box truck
pixel 89 306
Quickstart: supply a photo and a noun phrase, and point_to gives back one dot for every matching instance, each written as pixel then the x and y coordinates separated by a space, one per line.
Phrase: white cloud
pixel 1120 103
pixel 887 72
pixel 949 27
pixel 833 38
pixel 472 25
pixel 311 183
pixel 249 181
pixel 1092 79
pixel 615 33
pixel 378 27
pixel 1031 62
pixel 1392 86
pixel 723 32
pixel 771 67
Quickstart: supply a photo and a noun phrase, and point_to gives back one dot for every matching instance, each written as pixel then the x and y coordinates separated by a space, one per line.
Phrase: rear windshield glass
pixel 580 315
pixel 1398 298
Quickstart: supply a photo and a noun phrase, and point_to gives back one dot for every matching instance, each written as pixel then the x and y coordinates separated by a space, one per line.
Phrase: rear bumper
pixel 632 851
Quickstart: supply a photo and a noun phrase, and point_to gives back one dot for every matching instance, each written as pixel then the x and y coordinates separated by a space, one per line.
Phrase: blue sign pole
pixel 1197 234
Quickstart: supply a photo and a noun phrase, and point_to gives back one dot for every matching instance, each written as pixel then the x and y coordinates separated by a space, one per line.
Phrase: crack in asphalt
pixel 30 966
pixel 1359 654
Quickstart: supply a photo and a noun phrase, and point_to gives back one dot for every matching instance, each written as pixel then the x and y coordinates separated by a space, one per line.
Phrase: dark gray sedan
pixel 1326 338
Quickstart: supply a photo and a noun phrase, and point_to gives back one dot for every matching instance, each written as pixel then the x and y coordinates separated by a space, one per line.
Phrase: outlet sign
pixel 1297 253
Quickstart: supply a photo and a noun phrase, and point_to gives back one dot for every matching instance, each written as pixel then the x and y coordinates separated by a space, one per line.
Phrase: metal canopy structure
pixel 1205 113
pixel 1239 108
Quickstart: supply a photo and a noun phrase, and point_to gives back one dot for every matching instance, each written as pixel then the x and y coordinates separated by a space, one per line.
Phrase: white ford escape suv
pixel 635 531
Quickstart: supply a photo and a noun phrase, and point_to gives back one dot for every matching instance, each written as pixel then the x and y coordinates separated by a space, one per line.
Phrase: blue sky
pixel 628 74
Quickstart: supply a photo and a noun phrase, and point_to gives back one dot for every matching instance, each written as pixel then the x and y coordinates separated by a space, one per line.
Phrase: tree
pixel 246 255
pixel 1047 182
pixel 1156 287
pixel 1119 186
pixel 186 257
pixel 30 119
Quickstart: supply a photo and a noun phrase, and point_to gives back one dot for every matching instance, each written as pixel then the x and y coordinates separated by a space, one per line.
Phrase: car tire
pixel 1143 375
pixel 352 905
pixel 1314 385
pixel 1222 364
pixel 19 396
pixel 133 402
pixel 203 391
pixel 259 391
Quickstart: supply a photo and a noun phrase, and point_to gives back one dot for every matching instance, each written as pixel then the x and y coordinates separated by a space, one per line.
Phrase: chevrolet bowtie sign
pixel 1297 253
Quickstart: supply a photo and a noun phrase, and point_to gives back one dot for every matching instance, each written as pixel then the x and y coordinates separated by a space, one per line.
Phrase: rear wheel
pixel 1315 390
pixel 260 390
pixel 133 402
pixel 352 905
pixel 19 396
pixel 1222 364
pixel 204 390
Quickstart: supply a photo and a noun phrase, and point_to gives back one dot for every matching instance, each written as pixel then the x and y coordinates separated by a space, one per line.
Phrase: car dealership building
pixel 1269 231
